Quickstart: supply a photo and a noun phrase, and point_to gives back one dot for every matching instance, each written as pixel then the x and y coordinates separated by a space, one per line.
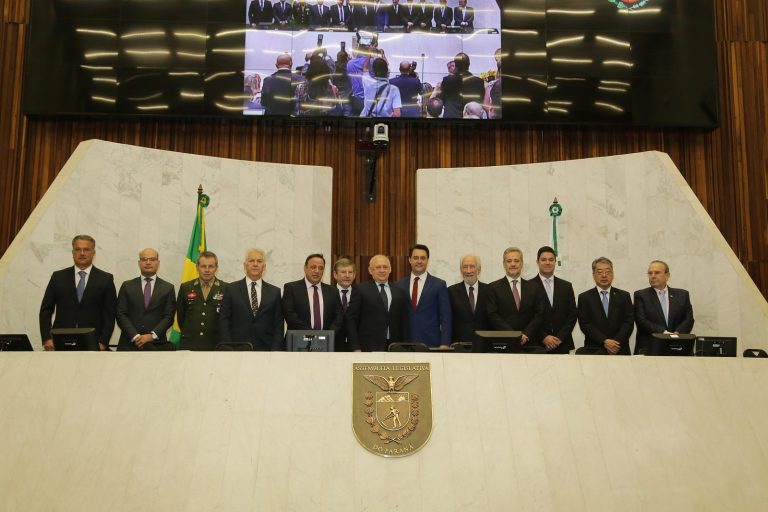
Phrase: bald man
pixel 377 313
pixel 410 88
pixel 145 306
pixel 278 91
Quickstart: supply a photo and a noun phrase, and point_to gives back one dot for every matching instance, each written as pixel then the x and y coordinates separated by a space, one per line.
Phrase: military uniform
pixel 198 317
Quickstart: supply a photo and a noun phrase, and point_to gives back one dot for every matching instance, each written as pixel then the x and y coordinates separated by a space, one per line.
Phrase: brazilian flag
pixel 196 246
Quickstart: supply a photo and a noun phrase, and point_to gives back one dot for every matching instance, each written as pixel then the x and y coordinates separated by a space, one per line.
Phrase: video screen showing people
pixel 373 59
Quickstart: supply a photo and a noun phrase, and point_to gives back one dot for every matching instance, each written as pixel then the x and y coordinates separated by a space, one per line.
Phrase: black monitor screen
pixel 633 62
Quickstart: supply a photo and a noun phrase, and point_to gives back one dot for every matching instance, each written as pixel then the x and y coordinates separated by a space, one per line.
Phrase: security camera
pixel 380 135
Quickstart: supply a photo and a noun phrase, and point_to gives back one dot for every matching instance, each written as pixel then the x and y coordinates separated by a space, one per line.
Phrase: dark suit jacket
pixel 278 93
pixel 237 323
pixel 597 328
pixel 430 323
pixel 458 90
pixel 282 12
pixel 559 318
pixel 368 321
pixel 650 317
pixel 342 343
pixel 363 18
pixel 465 323
pixel 503 315
pixel 426 11
pixel 133 318
pixel 410 17
pixel 459 17
pixel 97 309
pixel 443 19
pixel 395 19
pixel 335 17
pixel 297 311
pixel 319 20
pixel 258 15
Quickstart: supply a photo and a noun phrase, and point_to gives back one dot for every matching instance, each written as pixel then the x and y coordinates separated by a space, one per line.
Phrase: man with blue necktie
pixel 605 313
pixel 659 308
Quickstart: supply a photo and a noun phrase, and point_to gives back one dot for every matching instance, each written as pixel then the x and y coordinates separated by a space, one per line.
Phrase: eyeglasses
pixel 144 260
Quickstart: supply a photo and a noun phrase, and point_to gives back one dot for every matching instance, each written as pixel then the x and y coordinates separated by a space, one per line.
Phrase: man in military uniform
pixel 198 306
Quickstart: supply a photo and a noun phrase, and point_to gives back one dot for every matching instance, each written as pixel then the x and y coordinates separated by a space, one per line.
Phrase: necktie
pixel 80 286
pixel 147 291
pixel 344 302
pixel 415 293
pixel 383 294
pixel 316 324
pixel 605 301
pixel 472 298
pixel 516 293
pixel 548 289
pixel 664 307
pixel 341 14
pixel 254 298
pixel 464 11
pixel 206 289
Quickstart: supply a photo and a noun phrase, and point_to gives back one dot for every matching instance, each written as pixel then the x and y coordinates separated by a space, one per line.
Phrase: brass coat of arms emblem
pixel 391 407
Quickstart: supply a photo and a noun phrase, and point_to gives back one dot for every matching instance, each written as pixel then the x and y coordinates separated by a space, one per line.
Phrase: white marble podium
pixel 272 432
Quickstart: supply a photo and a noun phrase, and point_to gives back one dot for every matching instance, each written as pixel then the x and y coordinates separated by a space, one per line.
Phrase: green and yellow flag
pixel 196 246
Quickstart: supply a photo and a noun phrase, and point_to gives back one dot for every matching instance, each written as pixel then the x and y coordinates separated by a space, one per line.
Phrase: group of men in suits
pixel 362 14
pixel 419 307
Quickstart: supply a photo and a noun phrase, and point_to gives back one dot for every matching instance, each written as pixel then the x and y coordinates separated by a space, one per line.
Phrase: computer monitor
pixel 715 346
pixel 670 345
pixel 15 343
pixel 75 339
pixel 502 342
pixel 309 341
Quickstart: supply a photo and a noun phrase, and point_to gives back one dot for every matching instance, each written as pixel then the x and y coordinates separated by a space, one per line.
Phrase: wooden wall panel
pixel 726 167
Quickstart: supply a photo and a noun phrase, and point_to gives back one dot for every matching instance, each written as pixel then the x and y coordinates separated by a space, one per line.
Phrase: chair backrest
pixel 755 352
pixel 235 346
pixel 462 346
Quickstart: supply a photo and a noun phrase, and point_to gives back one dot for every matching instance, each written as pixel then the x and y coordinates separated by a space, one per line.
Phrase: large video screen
pixel 619 62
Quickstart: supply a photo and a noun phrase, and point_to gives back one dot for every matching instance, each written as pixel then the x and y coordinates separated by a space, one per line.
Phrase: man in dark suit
pixel 344 274
pixel 443 16
pixel 252 311
pixel 459 88
pixel 319 15
pixel 559 305
pixel 145 306
pixel 309 304
pixel 411 15
pixel 514 304
pixel 377 313
pixel 282 11
pixel 469 302
pixel 605 313
pixel 395 15
pixel 464 17
pixel 198 305
pixel 260 11
pixel 429 310
pixel 660 308
pixel 278 91
pixel 410 87
pixel 81 296
pixel 340 15
pixel 425 12
pixel 363 16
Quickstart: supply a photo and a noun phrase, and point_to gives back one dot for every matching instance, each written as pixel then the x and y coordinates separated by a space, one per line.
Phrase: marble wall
pixel 129 198
pixel 272 432
pixel 631 208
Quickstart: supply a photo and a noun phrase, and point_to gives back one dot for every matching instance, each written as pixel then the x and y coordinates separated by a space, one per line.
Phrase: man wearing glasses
pixel 145 306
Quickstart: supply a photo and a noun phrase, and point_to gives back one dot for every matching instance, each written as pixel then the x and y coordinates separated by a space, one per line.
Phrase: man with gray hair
pixel 515 304
pixel 605 313
pixel 81 296
pixel 251 311
pixel 469 300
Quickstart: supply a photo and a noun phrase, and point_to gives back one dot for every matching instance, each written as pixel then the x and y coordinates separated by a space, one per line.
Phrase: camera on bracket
pixel 380 136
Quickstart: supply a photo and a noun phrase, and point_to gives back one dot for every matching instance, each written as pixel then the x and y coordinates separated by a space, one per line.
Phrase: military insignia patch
pixel 392 407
